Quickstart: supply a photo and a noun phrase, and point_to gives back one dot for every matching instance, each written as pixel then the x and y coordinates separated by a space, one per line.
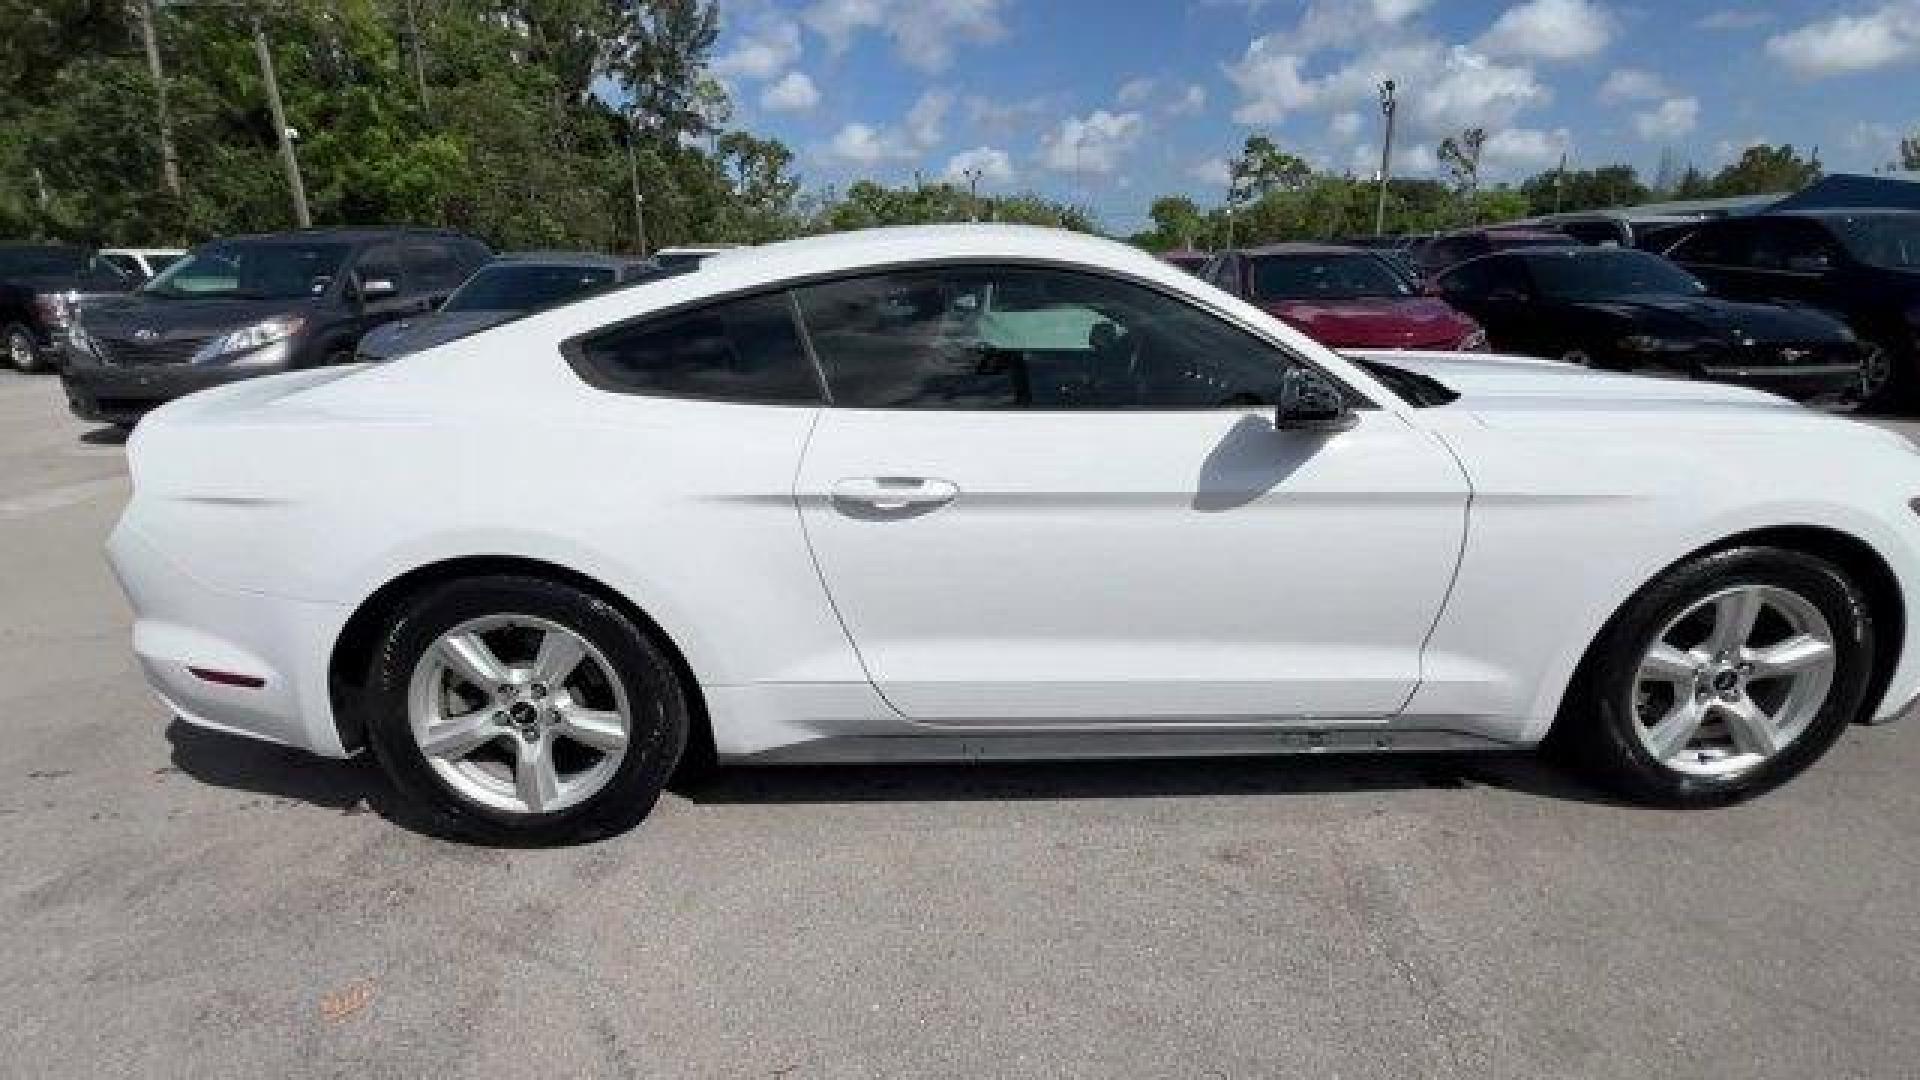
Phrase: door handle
pixel 895 492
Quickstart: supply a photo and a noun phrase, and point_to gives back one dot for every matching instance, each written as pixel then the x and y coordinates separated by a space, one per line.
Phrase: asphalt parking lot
pixel 180 903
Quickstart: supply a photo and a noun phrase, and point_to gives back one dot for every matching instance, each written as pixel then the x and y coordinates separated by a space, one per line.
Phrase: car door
pixel 1792 261
pixel 1496 292
pixel 1717 253
pixel 1045 496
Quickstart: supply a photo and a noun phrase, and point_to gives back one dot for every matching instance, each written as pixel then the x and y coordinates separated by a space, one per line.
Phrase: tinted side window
pixel 742 350
pixel 381 262
pixel 1468 279
pixel 1713 245
pixel 1798 246
pixel 433 266
pixel 993 338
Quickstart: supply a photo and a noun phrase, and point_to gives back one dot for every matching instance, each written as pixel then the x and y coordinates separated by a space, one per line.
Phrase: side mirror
pixel 1309 401
pixel 377 289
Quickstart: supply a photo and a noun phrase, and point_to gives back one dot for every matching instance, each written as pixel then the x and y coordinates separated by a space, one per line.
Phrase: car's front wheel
pixel 21 351
pixel 1725 677
pixel 1883 377
pixel 525 709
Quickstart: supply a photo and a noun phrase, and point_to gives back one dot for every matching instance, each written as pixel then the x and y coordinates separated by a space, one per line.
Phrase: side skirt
pixel 1050 745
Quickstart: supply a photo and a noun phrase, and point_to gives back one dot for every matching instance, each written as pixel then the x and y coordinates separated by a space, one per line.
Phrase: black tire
pixel 1596 730
pixel 1896 391
pixel 652 685
pixel 21 351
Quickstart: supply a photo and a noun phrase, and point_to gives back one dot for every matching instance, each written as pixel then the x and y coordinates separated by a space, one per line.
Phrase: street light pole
pixel 1388 106
pixel 633 176
pixel 973 187
pixel 287 157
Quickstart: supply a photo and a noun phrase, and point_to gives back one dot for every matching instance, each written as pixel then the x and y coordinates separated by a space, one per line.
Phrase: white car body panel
pixel 1093 587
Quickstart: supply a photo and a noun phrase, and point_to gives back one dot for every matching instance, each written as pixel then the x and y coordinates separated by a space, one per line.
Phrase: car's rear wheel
pixel 1725 677
pixel 525 710
pixel 21 351
pixel 1883 382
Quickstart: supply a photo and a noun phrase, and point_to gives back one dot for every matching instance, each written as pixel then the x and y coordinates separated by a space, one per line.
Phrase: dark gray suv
pixel 252 305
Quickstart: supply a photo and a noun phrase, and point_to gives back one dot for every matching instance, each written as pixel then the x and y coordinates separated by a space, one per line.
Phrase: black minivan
pixel 253 305
pixel 1862 266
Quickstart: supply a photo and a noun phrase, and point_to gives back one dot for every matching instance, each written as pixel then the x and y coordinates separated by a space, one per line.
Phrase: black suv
pixel 40 288
pixel 252 305
pixel 1863 266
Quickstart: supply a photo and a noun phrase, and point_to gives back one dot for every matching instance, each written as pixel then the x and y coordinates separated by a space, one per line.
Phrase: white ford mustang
pixel 984 491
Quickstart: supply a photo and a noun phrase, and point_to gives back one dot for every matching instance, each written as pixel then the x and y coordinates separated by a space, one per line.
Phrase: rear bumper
pixel 183 625
pixel 121 395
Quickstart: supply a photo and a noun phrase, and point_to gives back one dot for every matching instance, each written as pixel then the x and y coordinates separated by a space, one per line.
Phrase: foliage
pixel 1910 153
pixel 1583 189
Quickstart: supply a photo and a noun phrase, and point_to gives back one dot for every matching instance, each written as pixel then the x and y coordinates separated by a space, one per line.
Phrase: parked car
pixel 1619 309
pixel 1445 250
pixel 1187 259
pixel 244 307
pixel 792 508
pixel 1863 266
pixel 142 264
pixel 688 256
pixel 41 287
pixel 506 288
pixel 1343 297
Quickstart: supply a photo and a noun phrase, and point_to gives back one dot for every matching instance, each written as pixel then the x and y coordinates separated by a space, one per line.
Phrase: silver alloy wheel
pixel 519 714
pixel 20 351
pixel 1876 370
pixel 1733 681
pixel 1577 357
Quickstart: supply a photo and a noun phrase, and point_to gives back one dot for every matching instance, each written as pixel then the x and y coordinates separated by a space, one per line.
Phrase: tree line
pixel 497 117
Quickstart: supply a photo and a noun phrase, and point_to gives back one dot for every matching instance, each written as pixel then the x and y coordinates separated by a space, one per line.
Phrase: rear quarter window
pixel 746 350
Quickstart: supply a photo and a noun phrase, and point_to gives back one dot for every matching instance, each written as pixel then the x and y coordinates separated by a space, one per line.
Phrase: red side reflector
pixel 227 678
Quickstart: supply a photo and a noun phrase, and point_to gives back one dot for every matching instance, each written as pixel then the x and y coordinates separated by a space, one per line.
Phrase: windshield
pixel 523 287
pixel 266 270
pixel 1891 240
pixel 1330 276
pixel 42 264
pixel 1602 275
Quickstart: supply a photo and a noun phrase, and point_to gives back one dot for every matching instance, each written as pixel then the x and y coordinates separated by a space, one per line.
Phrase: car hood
pixel 1712 316
pixel 1516 390
pixel 180 317
pixel 426 331
pixel 1379 322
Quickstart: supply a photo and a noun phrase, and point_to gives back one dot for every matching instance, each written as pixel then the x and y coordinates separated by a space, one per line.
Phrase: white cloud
pixel 1091 145
pixel 1191 100
pixel 1550 30
pixel 1516 150
pixel 864 144
pixel 1669 120
pixel 1344 126
pixel 926 118
pixel 1843 44
pixel 924 35
pixel 1734 18
pixel 994 165
pixel 1633 84
pixel 1440 88
pixel 1333 23
pixel 1135 91
pixel 764 52
pixel 792 92
pixel 1012 118
pixel 1213 172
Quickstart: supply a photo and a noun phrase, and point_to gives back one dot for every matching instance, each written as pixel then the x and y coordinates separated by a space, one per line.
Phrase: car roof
pixel 567 258
pixel 1836 211
pixel 1305 248
pixel 350 236
pixel 1509 230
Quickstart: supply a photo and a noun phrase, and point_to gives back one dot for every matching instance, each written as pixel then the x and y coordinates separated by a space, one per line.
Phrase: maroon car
pixel 1344 297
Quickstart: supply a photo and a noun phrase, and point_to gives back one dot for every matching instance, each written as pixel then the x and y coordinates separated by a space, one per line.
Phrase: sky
pixel 1113 102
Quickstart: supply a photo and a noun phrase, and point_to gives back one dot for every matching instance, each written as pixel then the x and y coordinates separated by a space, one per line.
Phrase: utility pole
pixel 1559 181
pixel 1389 105
pixel 419 68
pixel 633 175
pixel 169 160
pixel 973 175
pixel 287 156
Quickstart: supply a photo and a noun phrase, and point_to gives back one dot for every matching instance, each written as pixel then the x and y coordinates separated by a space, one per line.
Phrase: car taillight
pixel 53 308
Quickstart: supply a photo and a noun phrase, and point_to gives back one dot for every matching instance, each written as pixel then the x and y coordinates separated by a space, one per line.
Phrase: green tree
pixel 1764 169
pixel 1583 189
pixel 1910 153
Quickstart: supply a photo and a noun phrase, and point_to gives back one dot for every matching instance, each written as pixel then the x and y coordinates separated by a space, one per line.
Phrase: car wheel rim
pixel 1577 356
pixel 519 714
pixel 1876 367
pixel 20 351
pixel 1733 681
